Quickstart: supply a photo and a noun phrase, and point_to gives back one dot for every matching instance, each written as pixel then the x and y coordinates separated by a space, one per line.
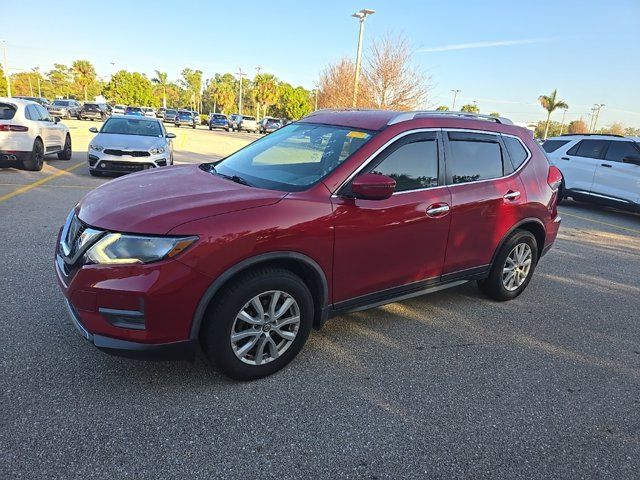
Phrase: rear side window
pixel 552 145
pixel 517 152
pixel 619 150
pixel 7 111
pixel 413 166
pixel 31 113
pixel 588 148
pixel 473 157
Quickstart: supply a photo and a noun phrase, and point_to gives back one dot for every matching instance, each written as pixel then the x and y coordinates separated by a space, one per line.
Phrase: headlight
pixel 118 248
pixel 155 151
pixel 97 148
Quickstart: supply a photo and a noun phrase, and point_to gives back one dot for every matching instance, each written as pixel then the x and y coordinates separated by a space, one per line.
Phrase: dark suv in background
pixel 94 111
pixel 338 212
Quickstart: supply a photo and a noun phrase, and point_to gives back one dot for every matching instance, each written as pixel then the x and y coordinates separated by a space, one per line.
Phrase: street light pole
pixel 6 68
pixel 455 94
pixel 562 124
pixel 361 16
pixel 241 74
pixel 598 108
pixel 257 104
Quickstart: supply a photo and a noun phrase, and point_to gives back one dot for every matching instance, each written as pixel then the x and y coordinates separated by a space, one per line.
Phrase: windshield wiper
pixel 234 178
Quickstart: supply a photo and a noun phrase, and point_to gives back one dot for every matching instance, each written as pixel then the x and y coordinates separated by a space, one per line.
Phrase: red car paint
pixel 358 246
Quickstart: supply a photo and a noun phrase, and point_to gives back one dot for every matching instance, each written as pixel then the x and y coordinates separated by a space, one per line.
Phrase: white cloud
pixel 497 43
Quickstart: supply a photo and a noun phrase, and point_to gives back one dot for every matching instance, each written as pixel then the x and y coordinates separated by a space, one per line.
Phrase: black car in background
pixel 41 100
pixel 94 111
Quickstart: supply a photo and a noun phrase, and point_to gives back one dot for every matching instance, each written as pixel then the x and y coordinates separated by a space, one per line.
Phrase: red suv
pixel 341 211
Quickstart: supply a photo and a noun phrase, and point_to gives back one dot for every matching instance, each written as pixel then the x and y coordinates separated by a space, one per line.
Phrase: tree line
pixel 263 95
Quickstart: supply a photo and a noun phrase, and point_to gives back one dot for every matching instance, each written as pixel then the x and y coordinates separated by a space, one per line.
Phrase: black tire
pixel 177 125
pixel 210 128
pixel 561 192
pixel 193 126
pixel 93 173
pixel 221 315
pixel 493 285
pixel 35 162
pixel 67 152
pixel 226 130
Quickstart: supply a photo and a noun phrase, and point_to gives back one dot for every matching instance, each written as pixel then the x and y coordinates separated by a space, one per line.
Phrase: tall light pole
pixel 315 94
pixel 598 108
pixel 241 74
pixel 564 112
pixel 257 104
pixel 6 68
pixel 455 94
pixel 361 16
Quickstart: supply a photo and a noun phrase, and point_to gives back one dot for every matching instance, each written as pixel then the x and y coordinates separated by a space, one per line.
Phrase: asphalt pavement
pixel 451 385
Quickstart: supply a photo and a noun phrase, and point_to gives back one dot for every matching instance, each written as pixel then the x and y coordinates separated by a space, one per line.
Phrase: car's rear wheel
pixel 258 324
pixel 35 162
pixel 66 153
pixel 513 267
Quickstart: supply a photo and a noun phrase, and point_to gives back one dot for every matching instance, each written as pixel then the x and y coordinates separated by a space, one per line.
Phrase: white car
pixel 28 132
pixel 604 169
pixel 129 144
pixel 118 109
pixel 149 112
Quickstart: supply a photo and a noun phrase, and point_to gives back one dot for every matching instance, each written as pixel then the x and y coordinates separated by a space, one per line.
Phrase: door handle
pixel 438 210
pixel 511 195
pixel 605 165
pixel 565 158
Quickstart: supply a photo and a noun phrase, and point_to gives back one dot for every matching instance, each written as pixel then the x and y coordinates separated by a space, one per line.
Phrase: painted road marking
pixel 48 186
pixel 565 214
pixel 37 183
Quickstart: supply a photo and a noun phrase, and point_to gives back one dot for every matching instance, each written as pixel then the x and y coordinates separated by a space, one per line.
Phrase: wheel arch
pixel 302 265
pixel 533 225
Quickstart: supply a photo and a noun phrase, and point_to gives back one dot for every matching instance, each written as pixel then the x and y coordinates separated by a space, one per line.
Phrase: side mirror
pixel 93 130
pixel 372 186
pixel 56 119
pixel 171 135
pixel 633 159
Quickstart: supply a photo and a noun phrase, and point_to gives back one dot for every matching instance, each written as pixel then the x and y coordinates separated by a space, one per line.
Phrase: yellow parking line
pixel 37 183
pixel 88 187
pixel 563 214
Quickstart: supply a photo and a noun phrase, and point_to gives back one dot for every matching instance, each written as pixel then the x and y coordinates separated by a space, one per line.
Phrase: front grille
pixel 128 153
pixel 75 230
pixel 123 166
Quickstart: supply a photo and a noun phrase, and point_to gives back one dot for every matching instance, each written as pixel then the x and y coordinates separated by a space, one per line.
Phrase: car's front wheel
pixel 258 324
pixel 513 267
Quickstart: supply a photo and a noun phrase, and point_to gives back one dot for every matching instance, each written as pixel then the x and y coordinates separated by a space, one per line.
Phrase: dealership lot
pixel 445 386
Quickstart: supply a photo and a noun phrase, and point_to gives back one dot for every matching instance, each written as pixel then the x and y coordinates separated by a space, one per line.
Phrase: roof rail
pixel 589 134
pixel 405 116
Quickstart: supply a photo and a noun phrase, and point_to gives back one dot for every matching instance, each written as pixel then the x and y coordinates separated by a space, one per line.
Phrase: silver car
pixel 129 144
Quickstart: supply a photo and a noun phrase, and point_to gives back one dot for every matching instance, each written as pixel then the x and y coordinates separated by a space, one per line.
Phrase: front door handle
pixel 438 210
pixel 605 165
pixel 565 158
pixel 511 195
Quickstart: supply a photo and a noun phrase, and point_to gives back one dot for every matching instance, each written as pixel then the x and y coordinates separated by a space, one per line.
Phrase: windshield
pixel 170 112
pixel 132 126
pixel 219 117
pixel 61 103
pixel 294 157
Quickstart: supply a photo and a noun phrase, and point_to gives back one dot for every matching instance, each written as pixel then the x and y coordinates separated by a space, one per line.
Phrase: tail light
pixel 554 178
pixel 13 128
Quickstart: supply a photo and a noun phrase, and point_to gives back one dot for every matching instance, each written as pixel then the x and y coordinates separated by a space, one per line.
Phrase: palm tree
pixel 84 74
pixel 550 103
pixel 265 91
pixel 162 80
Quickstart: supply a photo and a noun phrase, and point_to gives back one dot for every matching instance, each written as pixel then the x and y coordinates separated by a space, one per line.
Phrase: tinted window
pixel 61 103
pixel 31 113
pixel 412 166
pixel 588 148
pixel 7 111
pixel 618 150
pixel 552 145
pixel 516 151
pixel 472 160
pixel 43 114
pixel 248 118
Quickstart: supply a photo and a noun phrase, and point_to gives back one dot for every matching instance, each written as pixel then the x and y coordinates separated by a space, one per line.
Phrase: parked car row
pixel 239 123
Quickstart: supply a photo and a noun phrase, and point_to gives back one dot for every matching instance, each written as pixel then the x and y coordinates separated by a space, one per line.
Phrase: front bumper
pixel 101 162
pixel 189 123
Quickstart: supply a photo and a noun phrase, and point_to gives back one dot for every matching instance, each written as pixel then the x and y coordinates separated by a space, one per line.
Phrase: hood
pixel 155 201
pixel 127 142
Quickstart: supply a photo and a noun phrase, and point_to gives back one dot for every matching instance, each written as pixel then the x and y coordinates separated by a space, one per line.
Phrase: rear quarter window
pixel 7 111
pixel 517 152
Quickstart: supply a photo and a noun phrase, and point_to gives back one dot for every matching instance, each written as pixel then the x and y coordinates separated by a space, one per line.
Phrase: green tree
pixel 84 75
pixel 3 82
pixel 293 103
pixel 551 103
pixel 470 108
pixel 224 97
pixel 265 91
pixel 59 81
pixel 192 82
pixel 494 114
pixel 577 126
pixel 130 89
pixel 442 108
pixel 553 131
pixel 162 80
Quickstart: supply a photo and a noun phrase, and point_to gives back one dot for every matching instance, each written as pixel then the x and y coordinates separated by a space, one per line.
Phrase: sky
pixel 501 54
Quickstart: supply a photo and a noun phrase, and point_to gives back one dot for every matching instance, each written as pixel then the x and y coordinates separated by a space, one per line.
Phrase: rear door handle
pixel 438 210
pixel 605 165
pixel 511 195
pixel 565 158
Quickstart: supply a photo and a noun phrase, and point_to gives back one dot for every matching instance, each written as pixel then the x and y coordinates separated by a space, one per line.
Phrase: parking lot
pixel 450 385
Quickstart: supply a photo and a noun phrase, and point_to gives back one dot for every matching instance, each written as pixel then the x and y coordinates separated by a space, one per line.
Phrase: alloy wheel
pixel 517 267
pixel 265 327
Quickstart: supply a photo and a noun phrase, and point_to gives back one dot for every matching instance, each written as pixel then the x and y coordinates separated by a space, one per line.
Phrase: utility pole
pixel 315 98
pixel 598 107
pixel 361 16
pixel 455 94
pixel 6 68
pixel 30 86
pixel 241 74
pixel 562 124
pixel 592 116
pixel 257 104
